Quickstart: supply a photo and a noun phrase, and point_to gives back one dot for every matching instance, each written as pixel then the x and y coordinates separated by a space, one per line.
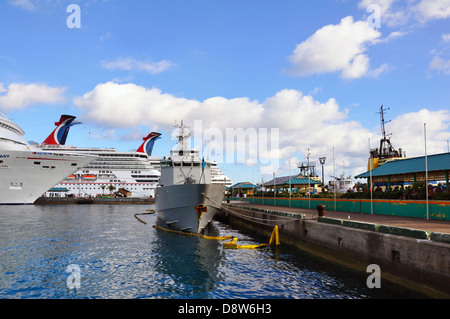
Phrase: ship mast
pixel 383 129
pixel 386 149
pixel 183 138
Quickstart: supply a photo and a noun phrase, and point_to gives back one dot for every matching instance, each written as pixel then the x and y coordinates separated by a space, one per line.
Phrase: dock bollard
pixel 321 210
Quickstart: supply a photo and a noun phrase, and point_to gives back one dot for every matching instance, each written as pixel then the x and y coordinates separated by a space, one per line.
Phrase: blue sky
pixel 317 71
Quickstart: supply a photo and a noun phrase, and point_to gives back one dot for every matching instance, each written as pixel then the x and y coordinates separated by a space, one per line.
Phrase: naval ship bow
pixel 186 200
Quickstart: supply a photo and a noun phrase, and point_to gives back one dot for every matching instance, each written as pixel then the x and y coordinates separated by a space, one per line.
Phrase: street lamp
pixel 322 161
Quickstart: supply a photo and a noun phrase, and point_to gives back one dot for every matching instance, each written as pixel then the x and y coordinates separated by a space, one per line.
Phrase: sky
pixel 262 84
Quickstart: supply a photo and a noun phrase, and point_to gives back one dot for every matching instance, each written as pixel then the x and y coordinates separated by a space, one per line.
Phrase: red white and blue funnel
pixel 59 135
pixel 149 141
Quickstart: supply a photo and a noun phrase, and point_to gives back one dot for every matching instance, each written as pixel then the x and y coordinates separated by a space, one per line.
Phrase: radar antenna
pixel 386 149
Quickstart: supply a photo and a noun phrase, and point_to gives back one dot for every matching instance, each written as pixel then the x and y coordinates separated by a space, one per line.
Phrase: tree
pixel 111 188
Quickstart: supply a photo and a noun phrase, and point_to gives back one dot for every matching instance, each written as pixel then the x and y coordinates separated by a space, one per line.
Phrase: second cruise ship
pixel 135 174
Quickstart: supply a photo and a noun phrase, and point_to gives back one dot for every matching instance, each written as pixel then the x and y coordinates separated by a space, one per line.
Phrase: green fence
pixel 439 210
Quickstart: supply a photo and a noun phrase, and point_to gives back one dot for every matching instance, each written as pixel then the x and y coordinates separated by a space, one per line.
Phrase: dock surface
pixel 441 226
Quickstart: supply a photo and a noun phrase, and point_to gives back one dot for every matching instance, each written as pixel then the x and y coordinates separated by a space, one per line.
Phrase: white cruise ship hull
pixel 26 175
pixel 176 205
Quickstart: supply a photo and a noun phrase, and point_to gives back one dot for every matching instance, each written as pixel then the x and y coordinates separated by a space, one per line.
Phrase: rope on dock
pixel 279 221
pixel 274 238
pixel 254 219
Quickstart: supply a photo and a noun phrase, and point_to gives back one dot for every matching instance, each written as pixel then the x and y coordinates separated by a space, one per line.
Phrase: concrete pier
pixel 94 200
pixel 414 253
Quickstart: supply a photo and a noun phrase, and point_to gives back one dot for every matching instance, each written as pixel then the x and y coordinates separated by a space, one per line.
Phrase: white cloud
pixel 336 48
pixel 433 9
pixel 24 4
pixel 19 95
pixel 395 35
pixel 303 122
pixel 381 69
pixel 389 11
pixel 132 64
pixel 440 65
pixel 129 105
pixel 446 37
pixel 396 12
pixel 408 132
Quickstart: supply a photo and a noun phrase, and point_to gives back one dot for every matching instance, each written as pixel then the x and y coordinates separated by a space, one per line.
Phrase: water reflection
pixel 190 262
pixel 120 257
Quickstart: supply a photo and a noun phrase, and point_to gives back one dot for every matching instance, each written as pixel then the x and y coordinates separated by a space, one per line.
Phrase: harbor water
pixel 104 252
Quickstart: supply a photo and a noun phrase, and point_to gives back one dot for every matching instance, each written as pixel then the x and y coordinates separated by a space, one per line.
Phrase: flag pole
pixel 370 188
pixel 426 166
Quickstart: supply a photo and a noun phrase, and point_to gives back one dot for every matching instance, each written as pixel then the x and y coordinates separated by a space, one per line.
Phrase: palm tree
pixel 111 188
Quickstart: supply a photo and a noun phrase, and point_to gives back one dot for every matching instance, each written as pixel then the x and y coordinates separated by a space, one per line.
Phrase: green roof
pixel 302 181
pixel 244 185
pixel 437 162
pixel 58 189
pixel 284 180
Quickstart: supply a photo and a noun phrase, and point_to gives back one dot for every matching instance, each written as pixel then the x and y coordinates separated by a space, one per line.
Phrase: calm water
pixel 119 257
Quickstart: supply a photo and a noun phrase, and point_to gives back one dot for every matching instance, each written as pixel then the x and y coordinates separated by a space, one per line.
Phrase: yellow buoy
pixel 274 239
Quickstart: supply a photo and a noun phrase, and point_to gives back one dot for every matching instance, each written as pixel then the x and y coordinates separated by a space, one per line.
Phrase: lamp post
pixel 274 191
pixel 322 161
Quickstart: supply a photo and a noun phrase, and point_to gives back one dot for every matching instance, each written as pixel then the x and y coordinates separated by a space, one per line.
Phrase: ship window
pixel 16 185
pixel 73 164
pixel 37 163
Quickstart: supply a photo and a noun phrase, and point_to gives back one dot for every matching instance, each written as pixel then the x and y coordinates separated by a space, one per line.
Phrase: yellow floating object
pixel 232 245
pixel 275 236
pixel 192 234
pixel 229 244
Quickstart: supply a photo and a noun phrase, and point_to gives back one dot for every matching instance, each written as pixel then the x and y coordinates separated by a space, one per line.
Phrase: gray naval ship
pixel 186 200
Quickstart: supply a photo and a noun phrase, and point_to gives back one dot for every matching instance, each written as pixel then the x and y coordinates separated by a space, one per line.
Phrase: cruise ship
pixel 27 172
pixel 133 174
pixel 218 177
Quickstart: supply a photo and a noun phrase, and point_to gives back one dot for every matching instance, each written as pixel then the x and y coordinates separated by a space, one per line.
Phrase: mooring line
pixel 274 238
pixel 150 212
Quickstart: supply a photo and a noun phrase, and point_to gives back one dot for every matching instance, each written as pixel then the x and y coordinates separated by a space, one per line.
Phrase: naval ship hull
pixel 188 207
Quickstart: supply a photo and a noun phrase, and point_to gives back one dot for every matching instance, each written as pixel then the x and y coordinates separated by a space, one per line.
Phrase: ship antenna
pixel 386 148
pixel 383 122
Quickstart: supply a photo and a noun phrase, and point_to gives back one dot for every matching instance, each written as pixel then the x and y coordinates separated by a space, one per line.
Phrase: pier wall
pixel 94 200
pixel 439 210
pixel 419 264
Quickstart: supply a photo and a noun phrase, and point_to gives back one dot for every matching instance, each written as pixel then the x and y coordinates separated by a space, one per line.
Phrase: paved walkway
pixel 442 226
